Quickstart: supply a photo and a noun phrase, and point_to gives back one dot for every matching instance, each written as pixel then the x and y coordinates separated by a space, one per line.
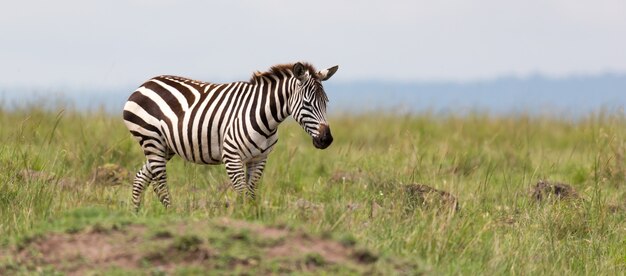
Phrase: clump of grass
pixel 347 240
pixel 187 243
pixel 163 234
pixel 314 259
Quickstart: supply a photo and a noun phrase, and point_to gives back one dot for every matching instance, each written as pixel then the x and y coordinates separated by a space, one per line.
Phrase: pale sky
pixel 112 43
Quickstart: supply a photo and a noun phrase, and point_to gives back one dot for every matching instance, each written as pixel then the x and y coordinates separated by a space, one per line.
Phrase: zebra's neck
pixel 275 99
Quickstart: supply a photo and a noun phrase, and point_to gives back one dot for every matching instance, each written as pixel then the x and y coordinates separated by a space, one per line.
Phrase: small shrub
pixel 364 256
pixel 314 259
pixel 187 243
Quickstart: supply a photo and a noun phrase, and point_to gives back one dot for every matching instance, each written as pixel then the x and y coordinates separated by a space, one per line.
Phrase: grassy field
pixel 354 196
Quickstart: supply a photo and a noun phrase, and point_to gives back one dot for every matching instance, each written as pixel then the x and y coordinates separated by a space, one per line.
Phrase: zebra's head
pixel 308 103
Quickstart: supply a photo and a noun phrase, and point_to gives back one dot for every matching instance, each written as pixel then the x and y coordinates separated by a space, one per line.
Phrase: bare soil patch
pixel 204 245
pixel 76 253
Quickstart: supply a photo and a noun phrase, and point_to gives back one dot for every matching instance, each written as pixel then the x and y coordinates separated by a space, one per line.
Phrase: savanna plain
pixel 524 195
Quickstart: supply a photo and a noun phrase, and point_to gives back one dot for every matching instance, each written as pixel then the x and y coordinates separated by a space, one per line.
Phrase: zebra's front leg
pixel 234 169
pixel 253 174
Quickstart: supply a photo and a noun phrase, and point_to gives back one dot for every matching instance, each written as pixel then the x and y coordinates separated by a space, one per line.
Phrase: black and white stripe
pixel 230 123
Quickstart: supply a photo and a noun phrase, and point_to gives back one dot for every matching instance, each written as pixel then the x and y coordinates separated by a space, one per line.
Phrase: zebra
pixel 234 123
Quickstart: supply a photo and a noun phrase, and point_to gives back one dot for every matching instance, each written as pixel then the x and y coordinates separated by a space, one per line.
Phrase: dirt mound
pixel 107 175
pixel 76 253
pixel 110 175
pixel 34 175
pixel 341 176
pixel 221 245
pixel 545 190
pixel 30 175
pixel 426 197
pixel 617 208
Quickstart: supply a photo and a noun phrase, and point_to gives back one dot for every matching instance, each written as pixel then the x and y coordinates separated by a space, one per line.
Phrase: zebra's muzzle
pixel 324 139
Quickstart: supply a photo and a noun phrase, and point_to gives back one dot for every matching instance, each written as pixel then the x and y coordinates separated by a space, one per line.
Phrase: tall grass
pixel 356 186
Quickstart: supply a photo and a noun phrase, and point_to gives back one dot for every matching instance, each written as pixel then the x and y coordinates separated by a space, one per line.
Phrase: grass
pixel 353 191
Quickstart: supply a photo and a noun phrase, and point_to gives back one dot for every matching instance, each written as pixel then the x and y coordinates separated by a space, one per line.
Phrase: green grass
pixel 353 190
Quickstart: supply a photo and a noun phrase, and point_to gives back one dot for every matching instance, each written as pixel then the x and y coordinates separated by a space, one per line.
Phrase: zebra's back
pixel 181 113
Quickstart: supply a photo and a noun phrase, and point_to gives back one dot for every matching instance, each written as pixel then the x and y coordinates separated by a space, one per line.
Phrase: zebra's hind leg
pixel 158 167
pixel 161 190
pixel 142 179
pixel 254 173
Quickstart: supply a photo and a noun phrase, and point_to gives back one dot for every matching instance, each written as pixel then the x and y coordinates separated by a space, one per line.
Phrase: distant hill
pixel 537 94
pixel 571 96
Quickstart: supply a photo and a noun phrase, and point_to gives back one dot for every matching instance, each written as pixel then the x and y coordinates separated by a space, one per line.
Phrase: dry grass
pixel 357 186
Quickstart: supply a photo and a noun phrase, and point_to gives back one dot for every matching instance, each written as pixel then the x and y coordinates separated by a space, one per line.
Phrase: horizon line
pixel 417 81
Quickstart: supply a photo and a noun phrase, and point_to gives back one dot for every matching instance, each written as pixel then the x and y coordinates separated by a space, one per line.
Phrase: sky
pixel 77 43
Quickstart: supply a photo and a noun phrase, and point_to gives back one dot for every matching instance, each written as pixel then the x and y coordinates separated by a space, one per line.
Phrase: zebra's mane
pixel 282 70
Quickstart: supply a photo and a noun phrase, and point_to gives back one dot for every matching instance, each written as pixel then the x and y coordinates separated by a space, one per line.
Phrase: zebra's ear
pixel 327 73
pixel 299 71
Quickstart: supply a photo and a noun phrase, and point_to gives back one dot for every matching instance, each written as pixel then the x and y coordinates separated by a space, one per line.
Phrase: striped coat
pixel 231 123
